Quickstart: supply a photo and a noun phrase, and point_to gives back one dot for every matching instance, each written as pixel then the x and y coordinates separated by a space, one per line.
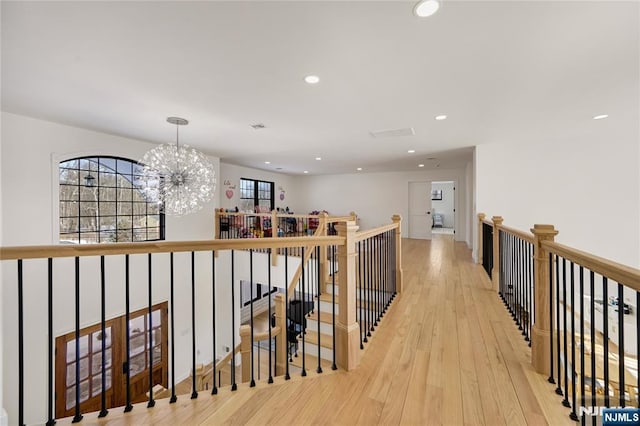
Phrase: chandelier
pixel 180 177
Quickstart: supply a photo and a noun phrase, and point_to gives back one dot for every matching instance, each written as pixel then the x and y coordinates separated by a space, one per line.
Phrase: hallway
pixel 447 352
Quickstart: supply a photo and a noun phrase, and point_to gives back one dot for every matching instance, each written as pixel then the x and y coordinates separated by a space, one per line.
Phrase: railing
pixel 516 277
pixel 597 360
pixel 376 277
pixel 580 313
pixel 201 282
pixel 487 247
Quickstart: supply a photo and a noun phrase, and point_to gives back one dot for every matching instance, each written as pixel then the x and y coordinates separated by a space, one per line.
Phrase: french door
pixel 141 339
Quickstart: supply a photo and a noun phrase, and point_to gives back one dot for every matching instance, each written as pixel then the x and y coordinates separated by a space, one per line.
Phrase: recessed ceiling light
pixel 600 117
pixel 426 8
pixel 267 162
pixel 306 171
pixel 359 169
pixel 411 151
pixel 318 158
pixel 441 117
pixel 312 79
pixel 420 165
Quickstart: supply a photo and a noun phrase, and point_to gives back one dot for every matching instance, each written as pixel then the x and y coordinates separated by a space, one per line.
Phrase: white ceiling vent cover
pixel 393 133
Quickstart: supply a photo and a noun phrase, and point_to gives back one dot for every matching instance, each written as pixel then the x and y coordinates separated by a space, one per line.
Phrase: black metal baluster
pixel 565 401
pixel 319 369
pixel 557 325
pixel 194 390
pixel 379 272
pixel 173 398
pixel 127 318
pixel 605 343
pixel 573 416
pixel 637 345
pixel 253 381
pixel 50 386
pixel 583 401
pixel 286 312
pixel 593 341
pixel 21 347
pixel 519 283
pixel 234 385
pixel 78 416
pixel 527 290
pixel 333 306
pixel 273 229
pixel 532 292
pixel 551 379
pixel 214 390
pixel 151 402
pixel 103 330
pixel 359 308
pixel 376 265
pixel 371 302
pixel 621 370
pixel 364 302
pixel 509 273
pixel 304 321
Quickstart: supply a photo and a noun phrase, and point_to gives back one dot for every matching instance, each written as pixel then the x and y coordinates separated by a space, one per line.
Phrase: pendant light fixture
pixel 180 177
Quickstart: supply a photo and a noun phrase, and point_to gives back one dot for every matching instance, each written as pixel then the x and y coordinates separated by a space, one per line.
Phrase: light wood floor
pixel 447 352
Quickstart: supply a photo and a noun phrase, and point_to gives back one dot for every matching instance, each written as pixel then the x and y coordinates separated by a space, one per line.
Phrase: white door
pixel 420 210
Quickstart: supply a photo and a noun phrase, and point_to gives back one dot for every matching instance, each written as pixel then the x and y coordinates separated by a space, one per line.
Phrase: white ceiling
pixel 508 71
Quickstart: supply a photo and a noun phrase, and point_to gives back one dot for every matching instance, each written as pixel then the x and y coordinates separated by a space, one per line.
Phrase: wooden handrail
pixel 518 233
pixel 307 256
pixel 623 274
pixel 226 358
pixel 488 222
pixel 334 219
pixel 258 337
pixel 44 252
pixel 363 235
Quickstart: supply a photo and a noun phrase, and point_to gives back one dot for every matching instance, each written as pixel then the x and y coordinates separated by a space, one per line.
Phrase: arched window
pixel 103 199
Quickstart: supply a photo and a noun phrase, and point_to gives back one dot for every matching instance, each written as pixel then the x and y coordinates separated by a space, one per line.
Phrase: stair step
pixel 325 317
pixel 363 304
pixel 311 362
pixel 326 340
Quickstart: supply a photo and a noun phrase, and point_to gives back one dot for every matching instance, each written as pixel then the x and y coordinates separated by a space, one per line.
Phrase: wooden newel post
pixel 281 347
pixel 495 271
pixel 540 345
pixel 347 329
pixel 245 350
pixel 481 217
pixel 397 219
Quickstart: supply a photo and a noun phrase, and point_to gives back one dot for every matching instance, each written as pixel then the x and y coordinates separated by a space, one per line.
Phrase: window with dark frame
pixel 103 199
pixel 261 192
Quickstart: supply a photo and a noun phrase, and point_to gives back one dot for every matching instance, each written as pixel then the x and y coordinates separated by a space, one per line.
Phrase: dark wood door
pixel 90 357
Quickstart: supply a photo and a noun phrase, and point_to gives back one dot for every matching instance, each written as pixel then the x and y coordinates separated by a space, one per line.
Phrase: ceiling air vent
pixel 393 133
pixel 258 126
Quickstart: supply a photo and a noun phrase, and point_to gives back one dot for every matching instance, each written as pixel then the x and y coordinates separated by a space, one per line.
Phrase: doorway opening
pixel 443 207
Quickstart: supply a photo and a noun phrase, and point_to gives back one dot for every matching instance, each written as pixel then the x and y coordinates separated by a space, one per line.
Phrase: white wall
pixel 285 185
pixel 470 196
pixel 29 153
pixel 447 204
pixel 588 191
pixel 375 197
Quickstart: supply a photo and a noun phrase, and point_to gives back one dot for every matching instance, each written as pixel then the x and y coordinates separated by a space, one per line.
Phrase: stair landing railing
pixel 579 313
